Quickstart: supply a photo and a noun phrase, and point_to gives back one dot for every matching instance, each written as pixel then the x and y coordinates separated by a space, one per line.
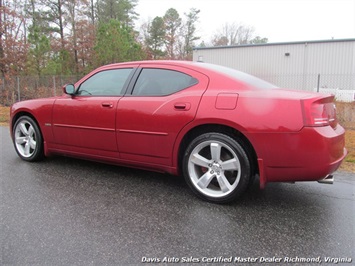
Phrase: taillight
pixel 319 112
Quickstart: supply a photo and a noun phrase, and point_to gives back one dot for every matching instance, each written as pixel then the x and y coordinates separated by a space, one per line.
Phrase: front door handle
pixel 107 104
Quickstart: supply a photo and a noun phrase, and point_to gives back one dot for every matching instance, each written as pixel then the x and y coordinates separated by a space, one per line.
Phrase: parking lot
pixel 65 211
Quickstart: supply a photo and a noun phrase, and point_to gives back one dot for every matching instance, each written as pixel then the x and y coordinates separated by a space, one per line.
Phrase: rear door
pixel 162 101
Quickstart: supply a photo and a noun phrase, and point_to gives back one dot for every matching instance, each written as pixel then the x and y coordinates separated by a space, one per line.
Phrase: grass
pixel 349 162
pixel 345 114
pixel 347 165
pixel 4 116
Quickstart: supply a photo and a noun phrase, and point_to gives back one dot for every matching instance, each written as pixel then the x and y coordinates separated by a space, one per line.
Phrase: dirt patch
pixel 346 117
pixel 346 114
pixel 349 162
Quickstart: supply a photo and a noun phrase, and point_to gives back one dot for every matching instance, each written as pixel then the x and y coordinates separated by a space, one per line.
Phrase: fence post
pixel 2 83
pixel 18 89
pixel 54 87
pixel 318 82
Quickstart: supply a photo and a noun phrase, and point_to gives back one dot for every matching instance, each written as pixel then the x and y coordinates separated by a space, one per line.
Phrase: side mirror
pixel 69 89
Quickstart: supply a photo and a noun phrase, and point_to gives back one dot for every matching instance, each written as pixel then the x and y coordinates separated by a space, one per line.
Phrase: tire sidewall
pixel 38 152
pixel 243 159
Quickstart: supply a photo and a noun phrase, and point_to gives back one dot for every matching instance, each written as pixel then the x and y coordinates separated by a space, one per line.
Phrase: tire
pixel 216 167
pixel 28 140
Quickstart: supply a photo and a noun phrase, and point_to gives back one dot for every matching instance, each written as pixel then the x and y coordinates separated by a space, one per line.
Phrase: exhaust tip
pixel 329 179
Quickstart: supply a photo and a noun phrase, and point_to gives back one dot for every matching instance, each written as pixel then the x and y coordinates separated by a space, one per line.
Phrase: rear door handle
pixel 182 106
pixel 107 104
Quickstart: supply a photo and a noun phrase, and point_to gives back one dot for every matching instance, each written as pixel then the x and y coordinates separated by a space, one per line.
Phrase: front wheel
pixel 28 139
pixel 216 167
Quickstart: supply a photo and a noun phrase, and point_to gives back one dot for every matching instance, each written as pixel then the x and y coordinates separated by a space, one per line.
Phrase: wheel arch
pixel 23 113
pixel 218 128
pixel 39 150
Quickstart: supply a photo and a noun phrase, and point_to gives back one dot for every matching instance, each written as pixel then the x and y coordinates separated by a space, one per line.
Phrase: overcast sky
pixel 277 20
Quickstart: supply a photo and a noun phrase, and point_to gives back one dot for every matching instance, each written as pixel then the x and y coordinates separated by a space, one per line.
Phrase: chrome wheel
pixel 27 139
pixel 217 167
pixel 214 168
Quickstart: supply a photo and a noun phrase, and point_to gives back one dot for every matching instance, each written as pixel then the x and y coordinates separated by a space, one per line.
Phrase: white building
pixel 298 65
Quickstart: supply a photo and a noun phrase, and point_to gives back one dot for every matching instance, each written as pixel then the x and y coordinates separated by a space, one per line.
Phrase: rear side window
pixel 161 82
pixel 240 76
pixel 108 82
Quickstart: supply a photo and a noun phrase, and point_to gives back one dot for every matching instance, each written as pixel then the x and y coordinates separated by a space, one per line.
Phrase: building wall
pixel 333 61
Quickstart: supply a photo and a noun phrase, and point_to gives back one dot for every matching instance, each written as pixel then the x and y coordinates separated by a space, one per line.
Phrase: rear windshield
pixel 240 76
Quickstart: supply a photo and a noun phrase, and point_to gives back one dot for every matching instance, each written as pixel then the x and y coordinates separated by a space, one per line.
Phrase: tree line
pixel 66 37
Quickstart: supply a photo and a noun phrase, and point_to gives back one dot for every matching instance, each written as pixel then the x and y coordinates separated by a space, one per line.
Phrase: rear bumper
pixel 308 155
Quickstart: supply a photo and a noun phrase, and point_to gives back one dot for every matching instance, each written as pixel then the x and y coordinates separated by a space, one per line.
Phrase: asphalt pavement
pixel 64 211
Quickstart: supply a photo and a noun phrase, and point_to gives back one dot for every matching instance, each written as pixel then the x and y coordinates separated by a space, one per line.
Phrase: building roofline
pixel 275 43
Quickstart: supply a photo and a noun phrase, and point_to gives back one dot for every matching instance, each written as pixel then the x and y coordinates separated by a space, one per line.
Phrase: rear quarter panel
pixel 273 122
pixel 256 112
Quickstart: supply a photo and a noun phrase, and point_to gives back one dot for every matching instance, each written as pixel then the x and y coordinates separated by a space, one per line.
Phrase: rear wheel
pixel 216 167
pixel 28 139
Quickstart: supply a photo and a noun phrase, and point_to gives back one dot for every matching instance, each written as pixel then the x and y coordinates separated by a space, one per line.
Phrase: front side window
pixel 108 82
pixel 161 82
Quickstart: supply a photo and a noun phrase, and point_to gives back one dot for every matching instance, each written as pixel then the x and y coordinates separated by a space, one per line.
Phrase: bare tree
pixel 233 34
pixel 13 48
pixel 2 30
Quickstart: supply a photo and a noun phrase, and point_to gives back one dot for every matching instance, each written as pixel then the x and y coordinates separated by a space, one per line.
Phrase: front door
pixel 86 121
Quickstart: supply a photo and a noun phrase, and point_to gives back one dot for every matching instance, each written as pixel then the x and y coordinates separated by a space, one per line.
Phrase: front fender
pixel 40 110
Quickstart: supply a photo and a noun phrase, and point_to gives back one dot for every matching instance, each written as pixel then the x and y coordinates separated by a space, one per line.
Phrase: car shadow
pixel 166 184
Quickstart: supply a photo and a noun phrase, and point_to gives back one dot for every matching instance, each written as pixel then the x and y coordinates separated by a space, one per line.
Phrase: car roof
pixel 205 68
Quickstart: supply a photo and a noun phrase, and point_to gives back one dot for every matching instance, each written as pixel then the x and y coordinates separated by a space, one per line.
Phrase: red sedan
pixel 216 126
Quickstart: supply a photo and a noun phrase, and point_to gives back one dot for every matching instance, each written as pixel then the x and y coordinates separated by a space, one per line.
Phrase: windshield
pixel 240 76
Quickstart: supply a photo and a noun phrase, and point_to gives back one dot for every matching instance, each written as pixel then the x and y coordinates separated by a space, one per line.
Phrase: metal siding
pixel 334 61
pixel 330 58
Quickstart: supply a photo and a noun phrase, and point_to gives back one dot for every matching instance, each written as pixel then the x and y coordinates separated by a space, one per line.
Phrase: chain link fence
pixel 341 85
pixel 18 88
pixel 311 82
